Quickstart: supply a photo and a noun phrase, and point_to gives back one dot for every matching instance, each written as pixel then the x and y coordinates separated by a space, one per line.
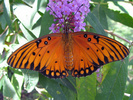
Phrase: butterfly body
pixel 68 53
pixel 54 55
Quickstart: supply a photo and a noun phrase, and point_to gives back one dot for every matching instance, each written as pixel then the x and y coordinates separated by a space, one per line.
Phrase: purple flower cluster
pixel 68 12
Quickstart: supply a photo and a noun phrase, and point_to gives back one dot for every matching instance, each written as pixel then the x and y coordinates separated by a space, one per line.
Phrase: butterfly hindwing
pixel 92 51
pixel 43 55
pixel 82 62
pixel 56 63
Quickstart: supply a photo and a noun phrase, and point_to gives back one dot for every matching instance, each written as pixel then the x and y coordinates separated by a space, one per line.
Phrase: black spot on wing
pixel 89 39
pixel 49 38
pixel 38 42
pixel 34 53
pixel 102 48
pixel 45 42
pixel 96 37
pixel 85 35
pixel 88 48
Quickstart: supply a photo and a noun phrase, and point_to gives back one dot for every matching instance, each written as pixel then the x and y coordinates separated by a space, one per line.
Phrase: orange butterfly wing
pixel 90 51
pixel 55 54
pixel 44 54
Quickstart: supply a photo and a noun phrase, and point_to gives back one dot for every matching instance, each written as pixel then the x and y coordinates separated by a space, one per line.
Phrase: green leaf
pixel 34 10
pixel 2 22
pixel 70 95
pixel 67 83
pixel 72 80
pixel 2 41
pixel 98 1
pixel 7 13
pixel 123 7
pixel 1 79
pixel 95 23
pixel 28 34
pixel 29 2
pixel 45 93
pixel 53 88
pixel 21 40
pixel 86 87
pixel 123 18
pixel 9 91
pixel 113 86
pixel 101 15
pixel 131 97
pixel 30 79
pixel 37 28
pixel 129 89
pixel 68 86
pixel 47 21
pixel 17 81
pixel 26 14
pixel 40 5
pixel 131 61
pixel 113 0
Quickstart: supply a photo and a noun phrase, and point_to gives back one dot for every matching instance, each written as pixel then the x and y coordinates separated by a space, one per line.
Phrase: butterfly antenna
pixel 53 11
pixel 78 8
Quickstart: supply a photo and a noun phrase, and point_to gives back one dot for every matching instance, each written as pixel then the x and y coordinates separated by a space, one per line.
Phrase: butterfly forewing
pixel 44 54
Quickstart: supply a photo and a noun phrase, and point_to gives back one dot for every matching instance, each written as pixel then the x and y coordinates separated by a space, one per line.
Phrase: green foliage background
pixel 22 21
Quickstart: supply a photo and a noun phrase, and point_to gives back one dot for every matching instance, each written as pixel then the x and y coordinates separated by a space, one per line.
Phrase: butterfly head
pixel 69 15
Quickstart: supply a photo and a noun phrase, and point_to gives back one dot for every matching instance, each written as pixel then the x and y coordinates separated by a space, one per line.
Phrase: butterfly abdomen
pixel 69 60
pixel 68 54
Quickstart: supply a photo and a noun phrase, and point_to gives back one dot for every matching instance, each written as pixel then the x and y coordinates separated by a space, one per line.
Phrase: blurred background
pixel 24 20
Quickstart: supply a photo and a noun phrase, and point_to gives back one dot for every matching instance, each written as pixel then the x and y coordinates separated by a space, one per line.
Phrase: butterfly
pixel 81 53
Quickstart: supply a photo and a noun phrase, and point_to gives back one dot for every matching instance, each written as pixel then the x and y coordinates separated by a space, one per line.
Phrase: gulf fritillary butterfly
pixel 82 53
pixel 54 55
